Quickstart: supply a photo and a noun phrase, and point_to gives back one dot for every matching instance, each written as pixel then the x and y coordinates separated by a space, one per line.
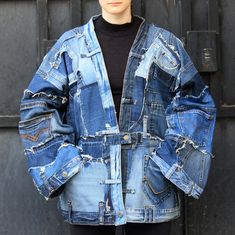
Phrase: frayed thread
pixel 186 141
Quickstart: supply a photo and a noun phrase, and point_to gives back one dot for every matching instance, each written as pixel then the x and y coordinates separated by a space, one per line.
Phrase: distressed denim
pixel 118 172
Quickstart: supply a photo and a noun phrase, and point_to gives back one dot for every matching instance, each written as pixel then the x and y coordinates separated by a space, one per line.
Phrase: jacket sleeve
pixel 48 141
pixel 184 155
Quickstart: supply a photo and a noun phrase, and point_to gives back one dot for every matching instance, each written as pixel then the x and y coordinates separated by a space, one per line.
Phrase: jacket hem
pixel 149 214
pixel 58 179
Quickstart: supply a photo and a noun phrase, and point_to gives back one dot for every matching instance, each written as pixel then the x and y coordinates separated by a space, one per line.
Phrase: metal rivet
pixel 144 179
pixel 107 125
pixel 64 100
pixel 65 174
pixel 146 157
pixel 133 191
pixel 126 137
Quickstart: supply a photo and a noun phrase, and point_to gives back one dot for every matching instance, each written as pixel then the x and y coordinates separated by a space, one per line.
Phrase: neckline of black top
pixel 117 30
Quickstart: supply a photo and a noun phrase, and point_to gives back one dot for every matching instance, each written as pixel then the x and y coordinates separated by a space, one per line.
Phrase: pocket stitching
pixel 146 185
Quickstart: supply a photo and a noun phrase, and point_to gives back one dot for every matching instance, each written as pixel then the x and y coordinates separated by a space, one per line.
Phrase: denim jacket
pixel 118 172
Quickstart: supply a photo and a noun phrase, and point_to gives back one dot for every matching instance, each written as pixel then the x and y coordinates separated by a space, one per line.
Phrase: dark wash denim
pixel 113 172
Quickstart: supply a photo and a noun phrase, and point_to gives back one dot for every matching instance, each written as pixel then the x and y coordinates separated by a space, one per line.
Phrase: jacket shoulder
pixel 164 33
pixel 167 38
pixel 68 35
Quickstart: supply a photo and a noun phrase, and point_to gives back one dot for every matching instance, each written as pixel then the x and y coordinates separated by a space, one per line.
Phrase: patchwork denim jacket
pixel 115 172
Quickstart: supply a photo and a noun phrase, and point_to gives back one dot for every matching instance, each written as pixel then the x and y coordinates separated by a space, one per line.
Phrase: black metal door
pixel 28 29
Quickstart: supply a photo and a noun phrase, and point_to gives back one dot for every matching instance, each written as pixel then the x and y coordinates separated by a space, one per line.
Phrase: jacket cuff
pixel 61 177
pixel 178 177
pixel 51 177
pixel 184 164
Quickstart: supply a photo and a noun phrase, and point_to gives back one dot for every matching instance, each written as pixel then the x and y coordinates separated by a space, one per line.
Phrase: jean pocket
pixel 166 61
pixel 35 131
pixel 156 187
pixel 196 125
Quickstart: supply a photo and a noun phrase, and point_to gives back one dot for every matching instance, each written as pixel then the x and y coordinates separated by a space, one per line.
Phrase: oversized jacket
pixel 115 172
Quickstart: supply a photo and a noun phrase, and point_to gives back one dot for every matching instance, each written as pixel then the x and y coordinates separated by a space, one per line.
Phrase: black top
pixel 115 41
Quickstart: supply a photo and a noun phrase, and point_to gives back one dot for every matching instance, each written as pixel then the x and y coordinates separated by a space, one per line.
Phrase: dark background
pixel 29 27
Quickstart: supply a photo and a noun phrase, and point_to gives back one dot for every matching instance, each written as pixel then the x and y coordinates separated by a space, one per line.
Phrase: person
pixel 115 122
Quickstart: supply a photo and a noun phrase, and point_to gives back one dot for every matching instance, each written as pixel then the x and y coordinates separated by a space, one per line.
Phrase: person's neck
pixel 117 18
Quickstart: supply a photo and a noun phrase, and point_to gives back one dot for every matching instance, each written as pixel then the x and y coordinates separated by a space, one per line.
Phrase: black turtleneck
pixel 115 42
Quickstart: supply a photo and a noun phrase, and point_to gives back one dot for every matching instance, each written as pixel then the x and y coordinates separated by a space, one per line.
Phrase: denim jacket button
pixel 120 214
pixel 126 137
pixel 54 65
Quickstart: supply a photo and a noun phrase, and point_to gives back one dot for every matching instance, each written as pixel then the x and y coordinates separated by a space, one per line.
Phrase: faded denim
pixel 113 172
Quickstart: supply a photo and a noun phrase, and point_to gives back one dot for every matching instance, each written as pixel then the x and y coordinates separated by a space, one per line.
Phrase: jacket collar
pixel 92 40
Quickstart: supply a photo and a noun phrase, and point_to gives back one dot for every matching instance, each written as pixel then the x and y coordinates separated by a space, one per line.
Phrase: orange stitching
pixel 154 189
pixel 35 137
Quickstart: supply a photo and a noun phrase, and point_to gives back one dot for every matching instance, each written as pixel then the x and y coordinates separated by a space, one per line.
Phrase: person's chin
pixel 115 12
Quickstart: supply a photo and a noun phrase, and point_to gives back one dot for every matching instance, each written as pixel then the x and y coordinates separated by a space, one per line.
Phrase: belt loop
pixel 153 214
pixel 145 125
pixel 70 211
pixel 145 213
pixel 150 214
pixel 101 212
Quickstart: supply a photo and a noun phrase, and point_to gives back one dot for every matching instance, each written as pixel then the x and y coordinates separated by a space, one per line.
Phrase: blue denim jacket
pixel 131 171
